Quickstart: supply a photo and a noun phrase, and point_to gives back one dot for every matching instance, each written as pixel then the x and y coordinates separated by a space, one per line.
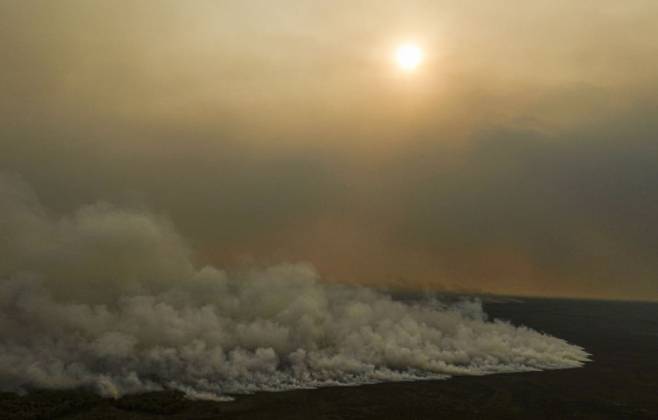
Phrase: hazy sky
pixel 521 157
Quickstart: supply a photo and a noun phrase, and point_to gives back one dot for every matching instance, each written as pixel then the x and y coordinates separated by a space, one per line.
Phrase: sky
pixel 520 158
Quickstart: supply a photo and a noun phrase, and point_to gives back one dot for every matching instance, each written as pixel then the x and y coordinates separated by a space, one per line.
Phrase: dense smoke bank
pixel 109 298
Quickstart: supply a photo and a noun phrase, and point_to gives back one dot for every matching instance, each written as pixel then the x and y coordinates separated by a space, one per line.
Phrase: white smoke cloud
pixel 109 298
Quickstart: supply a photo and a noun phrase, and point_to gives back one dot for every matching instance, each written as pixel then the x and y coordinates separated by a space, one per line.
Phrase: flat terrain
pixel 620 383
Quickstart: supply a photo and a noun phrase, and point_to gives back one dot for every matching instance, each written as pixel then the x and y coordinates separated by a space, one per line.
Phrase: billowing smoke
pixel 110 298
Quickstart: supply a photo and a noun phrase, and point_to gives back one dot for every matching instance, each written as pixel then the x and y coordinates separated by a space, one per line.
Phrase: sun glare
pixel 408 57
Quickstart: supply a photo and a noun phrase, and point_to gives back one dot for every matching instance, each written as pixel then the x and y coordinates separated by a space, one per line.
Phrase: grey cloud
pixel 107 298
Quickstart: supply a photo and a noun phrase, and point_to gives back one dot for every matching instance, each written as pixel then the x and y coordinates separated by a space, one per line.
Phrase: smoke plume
pixel 111 299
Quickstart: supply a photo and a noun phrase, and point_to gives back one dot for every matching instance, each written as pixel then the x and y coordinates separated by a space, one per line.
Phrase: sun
pixel 409 57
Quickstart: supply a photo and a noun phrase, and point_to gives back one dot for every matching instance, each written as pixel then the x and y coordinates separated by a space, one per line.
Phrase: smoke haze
pixel 519 159
pixel 111 298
